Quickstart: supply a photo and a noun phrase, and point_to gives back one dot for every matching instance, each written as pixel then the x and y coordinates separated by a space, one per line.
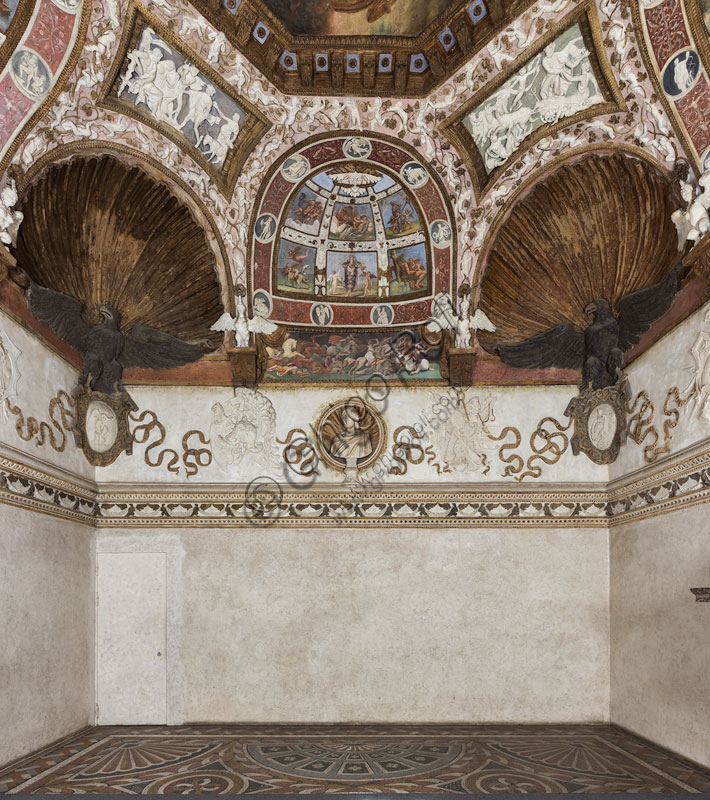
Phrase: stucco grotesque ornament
pixel 244 427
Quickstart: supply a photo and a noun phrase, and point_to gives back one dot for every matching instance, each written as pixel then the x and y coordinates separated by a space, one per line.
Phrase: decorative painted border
pixel 252 132
pixel 41 28
pixel 453 128
pixel 663 33
pixel 18 25
pixel 390 155
pixel 683 482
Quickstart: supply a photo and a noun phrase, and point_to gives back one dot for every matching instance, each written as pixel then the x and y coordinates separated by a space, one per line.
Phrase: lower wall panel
pixel 46 630
pixel 284 625
pixel 660 636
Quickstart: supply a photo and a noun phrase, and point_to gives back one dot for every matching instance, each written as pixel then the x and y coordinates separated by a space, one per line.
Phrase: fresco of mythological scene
pixel 352 356
pixel 306 212
pixel 8 8
pixel 351 274
pixel 408 271
pixel 158 80
pixel 558 82
pixel 356 17
pixel 295 267
pixel 352 223
pixel 399 215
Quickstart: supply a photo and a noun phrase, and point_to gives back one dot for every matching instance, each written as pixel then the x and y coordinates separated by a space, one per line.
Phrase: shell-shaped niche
pixel 597 228
pixel 106 232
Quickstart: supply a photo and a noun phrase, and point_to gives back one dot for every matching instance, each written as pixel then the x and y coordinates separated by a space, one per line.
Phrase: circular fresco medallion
pixel 295 168
pixel 357 147
pixel 262 304
pixel 354 761
pixel 601 426
pixel 350 433
pixel 321 314
pixel 681 73
pixel 265 228
pixel 414 174
pixel 101 426
pixel 382 315
pixel 440 233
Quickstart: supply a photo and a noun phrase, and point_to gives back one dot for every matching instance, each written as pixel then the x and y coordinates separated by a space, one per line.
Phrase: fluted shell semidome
pixel 105 232
pixel 600 227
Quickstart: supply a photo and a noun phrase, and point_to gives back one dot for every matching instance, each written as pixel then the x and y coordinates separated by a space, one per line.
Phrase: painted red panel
pixel 13 107
pixel 666 30
pixel 51 33
pixel 694 110
pixel 275 195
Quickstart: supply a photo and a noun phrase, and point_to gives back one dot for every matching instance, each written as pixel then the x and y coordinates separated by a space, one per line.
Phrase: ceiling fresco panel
pixel 357 17
pixel 358 222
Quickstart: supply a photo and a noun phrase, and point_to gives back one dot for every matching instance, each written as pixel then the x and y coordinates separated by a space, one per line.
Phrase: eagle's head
pixel 598 310
pixel 111 315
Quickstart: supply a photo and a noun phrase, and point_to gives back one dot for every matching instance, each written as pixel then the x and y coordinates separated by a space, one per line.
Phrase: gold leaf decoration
pixel 105 232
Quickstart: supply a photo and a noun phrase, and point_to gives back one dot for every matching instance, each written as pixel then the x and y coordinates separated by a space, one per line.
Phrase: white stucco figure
pixel 10 219
pixel 693 222
pixel 463 324
pixel 9 371
pixel 242 325
pixel 179 96
pixel 462 440
pixel 699 385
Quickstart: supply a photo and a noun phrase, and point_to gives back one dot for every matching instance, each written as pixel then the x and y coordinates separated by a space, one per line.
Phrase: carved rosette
pixel 101 428
pixel 599 417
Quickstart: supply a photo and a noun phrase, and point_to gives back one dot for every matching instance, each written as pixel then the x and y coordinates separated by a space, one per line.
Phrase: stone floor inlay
pixel 320 759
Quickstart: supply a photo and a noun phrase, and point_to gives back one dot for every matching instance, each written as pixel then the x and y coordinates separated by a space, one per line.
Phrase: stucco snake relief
pixel 76 117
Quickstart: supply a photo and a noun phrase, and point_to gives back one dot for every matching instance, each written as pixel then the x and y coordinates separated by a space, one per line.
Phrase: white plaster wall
pixel 182 409
pixel 46 630
pixel 660 636
pixel 42 373
pixel 275 625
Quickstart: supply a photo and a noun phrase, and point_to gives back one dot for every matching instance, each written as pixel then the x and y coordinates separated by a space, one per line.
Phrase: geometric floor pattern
pixel 325 759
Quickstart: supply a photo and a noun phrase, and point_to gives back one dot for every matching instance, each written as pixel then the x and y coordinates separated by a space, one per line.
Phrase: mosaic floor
pixel 260 759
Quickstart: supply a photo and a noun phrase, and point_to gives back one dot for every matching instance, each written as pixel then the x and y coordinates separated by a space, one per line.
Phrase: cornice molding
pixel 682 480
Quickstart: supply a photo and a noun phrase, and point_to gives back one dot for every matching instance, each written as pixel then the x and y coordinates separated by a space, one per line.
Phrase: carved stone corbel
pixel 461 363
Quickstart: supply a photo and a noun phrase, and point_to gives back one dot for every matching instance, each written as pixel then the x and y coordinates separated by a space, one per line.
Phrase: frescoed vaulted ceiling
pixel 434 145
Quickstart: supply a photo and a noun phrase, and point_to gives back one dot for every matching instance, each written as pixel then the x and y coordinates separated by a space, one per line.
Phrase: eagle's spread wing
pixel 561 346
pixel 153 349
pixel 61 313
pixel 639 310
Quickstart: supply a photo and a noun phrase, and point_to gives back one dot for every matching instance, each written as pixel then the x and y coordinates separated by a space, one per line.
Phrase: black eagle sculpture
pixel 600 349
pixel 105 349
